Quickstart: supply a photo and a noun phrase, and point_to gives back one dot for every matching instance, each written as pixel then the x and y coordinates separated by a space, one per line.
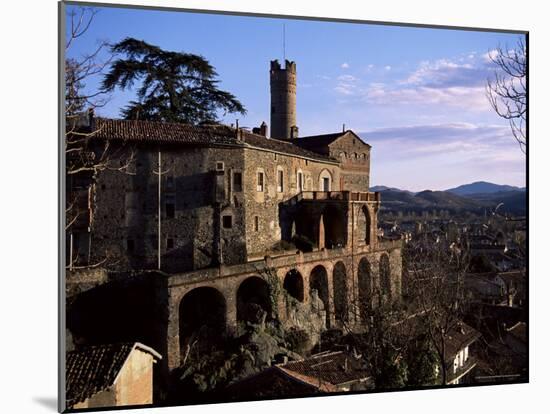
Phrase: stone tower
pixel 283 100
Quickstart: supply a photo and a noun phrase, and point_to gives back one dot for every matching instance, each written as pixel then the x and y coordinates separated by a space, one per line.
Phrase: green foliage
pixel 422 361
pixel 173 86
pixel 297 341
pixel 393 371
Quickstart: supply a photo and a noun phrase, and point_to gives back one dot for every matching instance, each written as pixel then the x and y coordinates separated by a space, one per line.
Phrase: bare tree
pixel 85 157
pixel 507 91
pixel 436 290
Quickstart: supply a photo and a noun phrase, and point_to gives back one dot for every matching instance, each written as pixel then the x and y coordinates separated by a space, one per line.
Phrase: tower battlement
pixel 283 99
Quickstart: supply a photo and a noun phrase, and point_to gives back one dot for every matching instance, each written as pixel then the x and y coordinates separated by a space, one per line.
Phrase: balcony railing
pixel 340 195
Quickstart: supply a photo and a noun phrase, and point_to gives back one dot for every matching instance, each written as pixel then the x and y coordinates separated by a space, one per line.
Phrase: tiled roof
pixel 316 141
pixel 92 369
pixel 286 147
pixel 334 368
pixel 177 133
pixel 519 331
pixel 162 132
pixel 458 338
pixel 319 140
pixel 269 383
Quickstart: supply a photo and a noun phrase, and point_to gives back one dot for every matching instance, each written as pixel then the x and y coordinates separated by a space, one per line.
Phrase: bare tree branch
pixel 507 91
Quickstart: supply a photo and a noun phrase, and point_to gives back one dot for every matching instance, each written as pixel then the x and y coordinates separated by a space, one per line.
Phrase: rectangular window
pixel 237 182
pixel 260 185
pixel 300 182
pixel 256 223
pixel 326 184
pixel 170 183
pixel 170 206
pixel 280 179
pixel 227 222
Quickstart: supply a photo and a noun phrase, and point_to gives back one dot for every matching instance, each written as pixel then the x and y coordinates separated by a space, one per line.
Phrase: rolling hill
pixel 513 199
pixel 482 187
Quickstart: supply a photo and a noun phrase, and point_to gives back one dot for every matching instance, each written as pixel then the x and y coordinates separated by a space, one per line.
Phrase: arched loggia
pixel 294 284
pixel 253 295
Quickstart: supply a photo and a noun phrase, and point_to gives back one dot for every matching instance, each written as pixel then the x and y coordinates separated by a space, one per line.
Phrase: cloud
pixel 439 156
pixel 347 78
pixel 458 137
pixel 388 67
pixel 344 65
pixel 447 73
pixel 472 99
pixel 347 85
pixel 490 55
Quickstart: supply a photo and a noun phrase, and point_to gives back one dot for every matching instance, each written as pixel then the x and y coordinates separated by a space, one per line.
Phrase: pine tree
pixel 174 86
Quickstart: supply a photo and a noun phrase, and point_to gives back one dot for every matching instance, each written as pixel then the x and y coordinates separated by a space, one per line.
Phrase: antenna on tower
pixel 284 42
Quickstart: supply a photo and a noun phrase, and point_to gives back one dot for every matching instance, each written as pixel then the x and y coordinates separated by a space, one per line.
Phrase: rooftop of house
pixel 336 368
pixel 129 131
pixel 274 382
pixel 92 369
pixel 313 141
pixel 519 331
pixel 461 336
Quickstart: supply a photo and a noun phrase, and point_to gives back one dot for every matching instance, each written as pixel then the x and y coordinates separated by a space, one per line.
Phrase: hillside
pixel 482 187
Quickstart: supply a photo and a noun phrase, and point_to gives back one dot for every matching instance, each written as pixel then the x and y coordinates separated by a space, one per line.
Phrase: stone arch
pixel 294 284
pixel 385 276
pixel 202 316
pixel 253 294
pixel 364 276
pixel 318 280
pixel 340 292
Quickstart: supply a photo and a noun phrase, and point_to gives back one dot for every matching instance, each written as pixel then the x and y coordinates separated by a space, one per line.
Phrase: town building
pixel 222 216
pixel 322 373
pixel 458 357
pixel 110 375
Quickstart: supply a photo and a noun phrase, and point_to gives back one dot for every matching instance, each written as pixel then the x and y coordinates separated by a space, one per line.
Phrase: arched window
pixel 202 316
pixel 253 294
pixel 294 285
pixel 300 180
pixel 325 181
pixel 318 281
pixel 280 180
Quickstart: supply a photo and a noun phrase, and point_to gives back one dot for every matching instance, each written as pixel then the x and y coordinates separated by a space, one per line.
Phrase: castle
pixel 211 210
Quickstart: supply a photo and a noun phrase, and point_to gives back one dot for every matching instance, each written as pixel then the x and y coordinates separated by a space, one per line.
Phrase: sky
pixel 416 95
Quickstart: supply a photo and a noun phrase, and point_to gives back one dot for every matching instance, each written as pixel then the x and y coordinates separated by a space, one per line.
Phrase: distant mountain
pixel 444 199
pixel 513 198
pixel 378 188
pixel 512 201
pixel 482 187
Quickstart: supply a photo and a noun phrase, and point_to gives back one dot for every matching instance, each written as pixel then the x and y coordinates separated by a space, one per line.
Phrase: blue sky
pixel 415 94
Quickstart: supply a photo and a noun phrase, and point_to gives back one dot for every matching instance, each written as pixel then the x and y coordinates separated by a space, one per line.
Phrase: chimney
pixel 293 131
pixel 263 129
